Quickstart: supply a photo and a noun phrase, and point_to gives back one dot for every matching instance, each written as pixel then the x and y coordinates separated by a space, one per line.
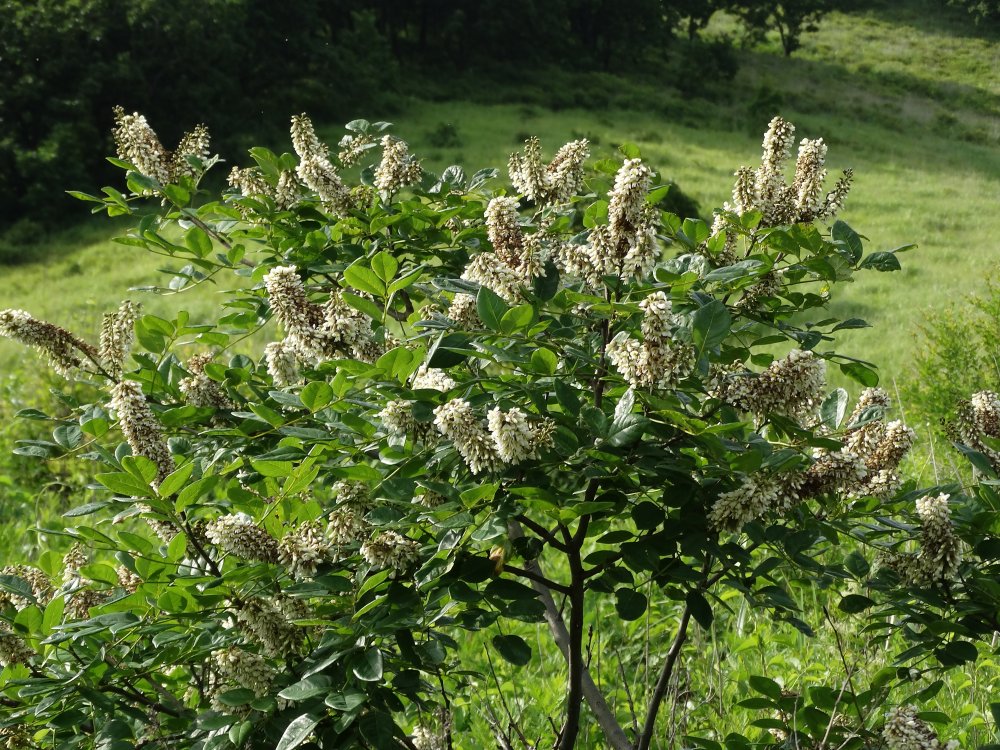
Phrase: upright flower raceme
pixel 282 362
pixel 866 465
pixel 303 549
pixel 193 144
pixel 117 333
pixel 398 168
pixel 555 182
pixel 626 246
pixel 237 668
pixel 517 259
pixel 201 390
pixel 391 550
pixel 507 438
pixel 65 351
pixel 765 189
pixel 13 649
pixel 140 427
pixel 314 331
pixel 977 424
pixel 397 415
pixel 238 535
pixel 457 421
pixel 41 586
pixel 658 361
pixel 316 170
pixel 940 550
pixel 267 622
pixel 758 495
pixel 516 437
pixel 353 147
pixel 139 145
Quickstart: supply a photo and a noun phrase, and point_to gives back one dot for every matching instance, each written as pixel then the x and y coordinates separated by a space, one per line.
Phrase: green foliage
pixel 986 12
pixel 474 411
pixel 790 18
pixel 173 62
pixel 958 354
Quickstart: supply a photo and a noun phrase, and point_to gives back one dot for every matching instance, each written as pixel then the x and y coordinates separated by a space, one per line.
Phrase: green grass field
pixel 907 94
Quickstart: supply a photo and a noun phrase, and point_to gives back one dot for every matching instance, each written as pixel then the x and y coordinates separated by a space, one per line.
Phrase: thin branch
pixel 510 717
pixel 613 733
pixel 574 652
pixel 664 679
pixel 628 692
pixel 533 576
pixel 542 532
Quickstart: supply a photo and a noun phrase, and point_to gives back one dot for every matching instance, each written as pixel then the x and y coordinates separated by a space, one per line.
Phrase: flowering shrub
pixel 432 405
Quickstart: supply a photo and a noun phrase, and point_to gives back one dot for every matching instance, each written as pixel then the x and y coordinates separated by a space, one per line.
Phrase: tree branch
pixel 615 735
pixel 536 578
pixel 663 681
pixel 541 531
pixel 574 651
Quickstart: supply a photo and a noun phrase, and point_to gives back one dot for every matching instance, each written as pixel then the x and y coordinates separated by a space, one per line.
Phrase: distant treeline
pixel 243 66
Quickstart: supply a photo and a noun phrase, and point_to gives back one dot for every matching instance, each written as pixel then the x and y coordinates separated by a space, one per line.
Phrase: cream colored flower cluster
pixel 139 145
pixel 282 362
pixel 765 189
pixel 940 549
pixel 391 551
pixel 555 182
pixel 80 597
pixel 64 350
pixel 129 580
pixel 397 415
pixel 239 535
pixel 427 738
pixel 194 143
pixel 237 668
pixel 117 333
pixel 314 332
pixel 13 649
pixel 316 170
pixel 201 390
pixel 866 465
pixel 757 496
pixel 625 247
pixel 398 167
pixel 904 730
pixel 140 427
pixel 268 622
pixel 517 259
pixel 658 361
pixel 881 446
pixel 507 437
pixel 977 420
pixel 41 587
pixel 346 523
pixel 251 184
pixel 792 386
pixel 353 147
pixel 304 549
